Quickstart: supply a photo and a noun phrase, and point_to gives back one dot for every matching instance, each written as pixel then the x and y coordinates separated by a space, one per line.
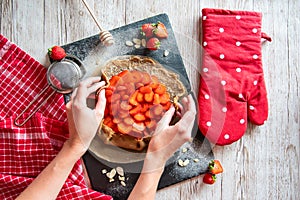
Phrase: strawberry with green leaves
pixel 215 167
pixel 160 31
pixel 209 178
pixel 153 44
pixel 56 53
pixel 147 29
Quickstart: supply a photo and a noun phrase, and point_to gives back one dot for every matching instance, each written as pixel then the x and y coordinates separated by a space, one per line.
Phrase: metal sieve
pixel 63 77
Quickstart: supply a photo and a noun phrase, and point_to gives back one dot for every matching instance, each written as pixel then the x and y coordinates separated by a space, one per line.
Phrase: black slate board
pixel 199 148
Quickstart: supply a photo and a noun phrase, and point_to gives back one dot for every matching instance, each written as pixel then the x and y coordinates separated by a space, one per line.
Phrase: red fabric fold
pixel 232 88
pixel 25 151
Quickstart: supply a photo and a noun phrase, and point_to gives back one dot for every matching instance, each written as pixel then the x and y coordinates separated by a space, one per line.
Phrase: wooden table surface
pixel 264 164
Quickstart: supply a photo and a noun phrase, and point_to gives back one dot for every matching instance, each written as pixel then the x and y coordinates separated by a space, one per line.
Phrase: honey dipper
pixel 105 36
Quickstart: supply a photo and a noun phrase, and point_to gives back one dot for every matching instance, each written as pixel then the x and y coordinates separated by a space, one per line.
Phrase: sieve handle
pixel 35 110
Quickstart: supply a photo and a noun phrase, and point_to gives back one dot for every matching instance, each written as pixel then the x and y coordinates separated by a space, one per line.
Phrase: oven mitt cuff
pixel 232 87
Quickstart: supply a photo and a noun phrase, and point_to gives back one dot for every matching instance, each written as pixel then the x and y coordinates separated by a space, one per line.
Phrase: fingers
pixel 68 106
pixel 73 94
pixel 168 116
pixel 95 87
pixel 191 106
pixel 184 105
pixel 188 104
pixel 100 106
pixel 85 88
pixel 188 117
pixel 165 120
pixel 187 120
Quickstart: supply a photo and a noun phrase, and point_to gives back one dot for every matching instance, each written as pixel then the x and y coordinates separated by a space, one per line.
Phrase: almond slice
pixel 111 180
pixel 184 150
pixel 186 162
pixel 121 178
pixel 166 53
pixel 129 43
pixel 180 162
pixel 123 183
pixel 144 43
pixel 137 46
pixel 137 41
pixel 120 171
pixel 111 174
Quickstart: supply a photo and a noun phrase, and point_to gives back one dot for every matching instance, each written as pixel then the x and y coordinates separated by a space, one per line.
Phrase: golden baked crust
pixel 108 136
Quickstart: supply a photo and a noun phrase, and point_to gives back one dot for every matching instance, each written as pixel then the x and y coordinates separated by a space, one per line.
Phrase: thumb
pixel 100 106
pixel 257 109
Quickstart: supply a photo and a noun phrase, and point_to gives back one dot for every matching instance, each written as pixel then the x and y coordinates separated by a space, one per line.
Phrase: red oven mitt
pixel 232 87
pixel 25 151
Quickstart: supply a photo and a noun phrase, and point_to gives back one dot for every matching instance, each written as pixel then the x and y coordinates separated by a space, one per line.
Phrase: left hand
pixel 84 121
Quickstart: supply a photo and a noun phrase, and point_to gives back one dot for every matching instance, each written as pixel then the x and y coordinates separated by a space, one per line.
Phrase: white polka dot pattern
pixel 226 136
pixel 208 123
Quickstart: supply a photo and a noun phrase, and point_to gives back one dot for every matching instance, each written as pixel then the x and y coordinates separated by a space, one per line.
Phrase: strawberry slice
pixel 215 167
pixel 139 117
pixel 160 31
pixel 145 89
pixel 124 128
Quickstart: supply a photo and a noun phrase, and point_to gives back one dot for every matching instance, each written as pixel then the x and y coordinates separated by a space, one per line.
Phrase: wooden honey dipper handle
pixel 105 36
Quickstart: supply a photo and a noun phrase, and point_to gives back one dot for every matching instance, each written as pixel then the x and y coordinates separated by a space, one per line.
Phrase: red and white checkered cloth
pixel 25 151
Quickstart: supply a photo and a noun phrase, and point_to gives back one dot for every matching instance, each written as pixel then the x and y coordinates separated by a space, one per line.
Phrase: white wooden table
pixel 264 164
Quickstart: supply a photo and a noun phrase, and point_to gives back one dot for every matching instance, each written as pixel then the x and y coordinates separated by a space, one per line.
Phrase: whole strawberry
pixel 209 178
pixel 153 44
pixel 56 53
pixel 147 29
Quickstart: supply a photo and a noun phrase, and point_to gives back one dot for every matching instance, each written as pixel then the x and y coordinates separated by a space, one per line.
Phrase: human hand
pixel 167 139
pixel 84 121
